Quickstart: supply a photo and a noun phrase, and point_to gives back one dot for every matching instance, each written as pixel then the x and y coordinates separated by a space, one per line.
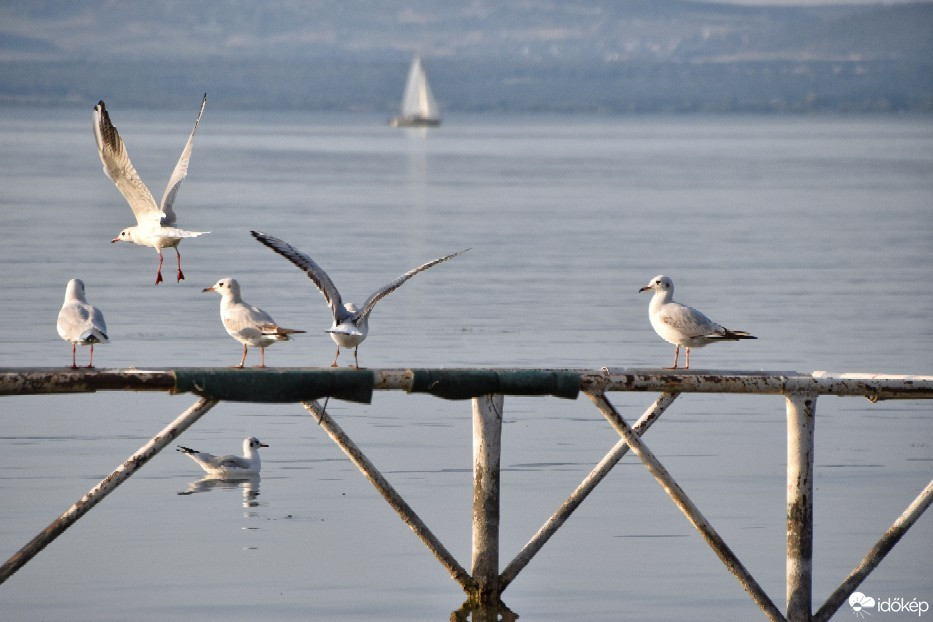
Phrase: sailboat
pixel 418 106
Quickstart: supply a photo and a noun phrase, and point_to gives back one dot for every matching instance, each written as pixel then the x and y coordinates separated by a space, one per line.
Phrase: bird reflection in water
pixel 249 483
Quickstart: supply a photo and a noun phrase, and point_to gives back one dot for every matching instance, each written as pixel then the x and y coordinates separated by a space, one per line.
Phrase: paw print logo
pixel 860 603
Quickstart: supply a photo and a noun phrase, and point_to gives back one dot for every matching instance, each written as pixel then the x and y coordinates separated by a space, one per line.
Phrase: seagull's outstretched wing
pixel 119 169
pixel 394 285
pixel 179 174
pixel 314 272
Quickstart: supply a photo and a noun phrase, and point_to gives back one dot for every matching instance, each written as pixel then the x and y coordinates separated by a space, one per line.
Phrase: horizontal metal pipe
pixel 32 381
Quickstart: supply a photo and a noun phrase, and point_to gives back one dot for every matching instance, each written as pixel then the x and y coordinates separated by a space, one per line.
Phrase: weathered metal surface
pixel 487 441
pixel 458 384
pixel 462 383
pixel 395 500
pixel 276 385
pixel 105 487
pixel 801 417
pixel 876 554
pixel 35 381
pixel 567 508
pixel 682 501
pixel 873 386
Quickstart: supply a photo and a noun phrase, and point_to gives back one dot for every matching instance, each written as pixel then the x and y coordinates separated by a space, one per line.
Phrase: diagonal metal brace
pixel 407 514
pixel 693 514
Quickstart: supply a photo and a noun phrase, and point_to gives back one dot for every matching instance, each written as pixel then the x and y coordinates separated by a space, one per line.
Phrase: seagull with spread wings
pixel 351 323
pixel 155 223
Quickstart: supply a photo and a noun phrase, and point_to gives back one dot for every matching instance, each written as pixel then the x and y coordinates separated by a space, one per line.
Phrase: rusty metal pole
pixel 487 444
pixel 106 486
pixel 801 410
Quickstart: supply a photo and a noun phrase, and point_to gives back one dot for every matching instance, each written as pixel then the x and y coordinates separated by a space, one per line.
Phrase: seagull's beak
pixel 263 445
pixel 208 289
pixel 116 239
pixel 645 289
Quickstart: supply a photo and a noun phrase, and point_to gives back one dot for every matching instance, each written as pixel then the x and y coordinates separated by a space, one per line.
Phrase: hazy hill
pixel 590 55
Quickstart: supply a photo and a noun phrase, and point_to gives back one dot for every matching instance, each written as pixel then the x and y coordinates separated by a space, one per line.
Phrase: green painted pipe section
pixel 461 384
pixel 273 385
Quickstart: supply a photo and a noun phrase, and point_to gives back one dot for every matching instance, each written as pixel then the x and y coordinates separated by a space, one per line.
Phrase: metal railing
pixel 484 583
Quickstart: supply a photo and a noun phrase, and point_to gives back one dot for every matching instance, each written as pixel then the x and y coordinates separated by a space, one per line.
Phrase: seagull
pixel 682 325
pixel 80 322
pixel 351 323
pixel 229 466
pixel 155 224
pixel 249 325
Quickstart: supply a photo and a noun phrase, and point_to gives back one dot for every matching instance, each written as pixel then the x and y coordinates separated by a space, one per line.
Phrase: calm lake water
pixel 815 234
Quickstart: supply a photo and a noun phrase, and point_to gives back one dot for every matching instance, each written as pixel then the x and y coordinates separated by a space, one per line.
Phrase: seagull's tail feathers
pixel 279 333
pixel 93 335
pixel 346 329
pixel 732 335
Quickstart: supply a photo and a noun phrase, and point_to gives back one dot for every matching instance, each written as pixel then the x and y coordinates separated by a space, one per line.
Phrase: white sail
pixel 418 105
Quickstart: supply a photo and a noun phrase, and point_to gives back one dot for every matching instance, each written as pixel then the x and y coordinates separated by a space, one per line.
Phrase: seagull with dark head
pixel 351 323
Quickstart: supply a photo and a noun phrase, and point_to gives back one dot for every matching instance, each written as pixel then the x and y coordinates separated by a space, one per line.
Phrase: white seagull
pixel 80 322
pixel 249 325
pixel 351 323
pixel 229 466
pixel 682 325
pixel 155 224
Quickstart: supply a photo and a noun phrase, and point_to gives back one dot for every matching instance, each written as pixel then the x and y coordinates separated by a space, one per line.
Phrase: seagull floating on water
pixel 351 323
pixel 229 466
pixel 682 325
pixel 249 325
pixel 154 223
pixel 79 322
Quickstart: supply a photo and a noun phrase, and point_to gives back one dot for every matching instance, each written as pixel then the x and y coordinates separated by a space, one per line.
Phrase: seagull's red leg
pixel 90 363
pixel 687 364
pixel 262 356
pixel 181 276
pixel 676 356
pixel 243 360
pixel 159 273
pixel 336 356
pixel 355 359
pixel 73 364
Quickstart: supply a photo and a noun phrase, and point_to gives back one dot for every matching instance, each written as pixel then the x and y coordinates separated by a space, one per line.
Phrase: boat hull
pixel 414 122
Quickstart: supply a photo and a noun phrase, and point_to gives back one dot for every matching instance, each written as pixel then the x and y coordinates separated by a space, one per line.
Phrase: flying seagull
pixel 155 224
pixel 682 325
pixel 79 322
pixel 351 323
pixel 229 466
pixel 249 325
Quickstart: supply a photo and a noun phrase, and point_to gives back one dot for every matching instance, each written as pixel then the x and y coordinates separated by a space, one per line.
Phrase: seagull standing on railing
pixel 351 323
pixel 229 466
pixel 79 322
pixel 682 325
pixel 249 325
pixel 154 223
